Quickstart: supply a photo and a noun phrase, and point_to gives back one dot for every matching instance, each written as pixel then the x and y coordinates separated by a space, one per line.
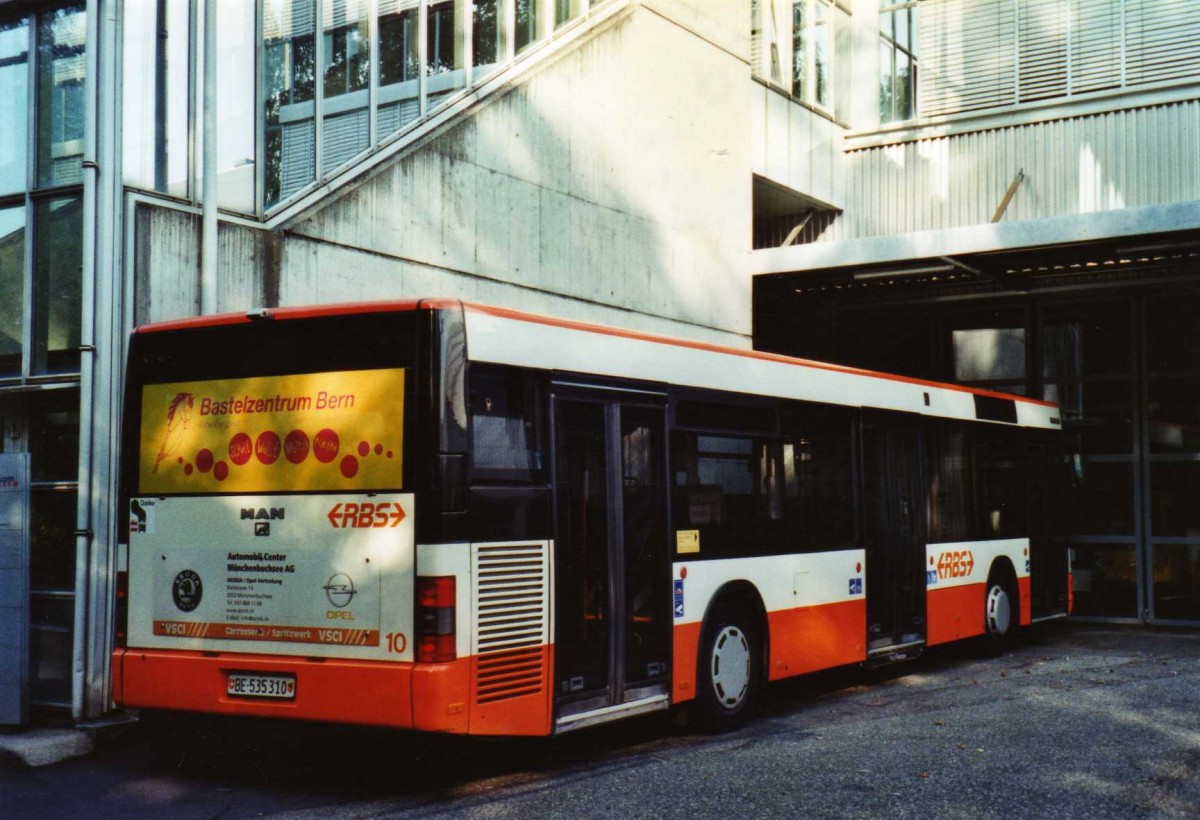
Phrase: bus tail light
pixel 435 619
pixel 121 621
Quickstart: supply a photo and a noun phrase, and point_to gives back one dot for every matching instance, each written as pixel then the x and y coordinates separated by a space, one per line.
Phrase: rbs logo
pixel 383 514
pixel 955 564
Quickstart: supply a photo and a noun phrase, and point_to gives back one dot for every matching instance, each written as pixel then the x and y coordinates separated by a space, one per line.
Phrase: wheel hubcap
pixel 999 611
pixel 731 666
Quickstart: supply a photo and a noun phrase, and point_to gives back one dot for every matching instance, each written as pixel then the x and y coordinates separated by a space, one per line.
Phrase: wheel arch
pixel 1003 571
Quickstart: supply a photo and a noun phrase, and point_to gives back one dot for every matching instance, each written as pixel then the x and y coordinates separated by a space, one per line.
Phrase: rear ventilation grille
pixel 511 619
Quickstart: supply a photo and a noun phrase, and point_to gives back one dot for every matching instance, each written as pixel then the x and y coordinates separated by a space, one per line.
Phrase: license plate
pixel 246 685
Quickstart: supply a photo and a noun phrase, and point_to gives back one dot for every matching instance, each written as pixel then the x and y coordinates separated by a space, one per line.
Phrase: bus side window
pixel 727 488
pixel 818 476
pixel 1003 494
pixel 951 517
pixel 505 406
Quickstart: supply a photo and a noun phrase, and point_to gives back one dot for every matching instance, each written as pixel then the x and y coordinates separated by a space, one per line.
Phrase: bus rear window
pixel 280 406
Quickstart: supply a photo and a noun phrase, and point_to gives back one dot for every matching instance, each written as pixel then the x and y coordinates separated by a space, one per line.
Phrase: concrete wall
pixel 167 265
pixel 611 185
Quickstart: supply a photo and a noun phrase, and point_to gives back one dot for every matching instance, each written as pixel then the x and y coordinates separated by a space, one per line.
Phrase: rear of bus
pixel 268 478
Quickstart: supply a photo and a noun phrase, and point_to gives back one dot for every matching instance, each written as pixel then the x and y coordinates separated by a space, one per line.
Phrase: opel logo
pixel 339 589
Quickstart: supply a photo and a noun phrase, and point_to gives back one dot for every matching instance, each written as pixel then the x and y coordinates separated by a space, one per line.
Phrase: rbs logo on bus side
pixel 955 564
pixel 383 514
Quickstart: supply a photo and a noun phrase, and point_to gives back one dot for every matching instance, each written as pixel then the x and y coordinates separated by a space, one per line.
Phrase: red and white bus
pixel 457 518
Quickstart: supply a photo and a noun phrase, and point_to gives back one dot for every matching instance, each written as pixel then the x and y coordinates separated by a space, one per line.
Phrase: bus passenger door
pixel 894 493
pixel 611 571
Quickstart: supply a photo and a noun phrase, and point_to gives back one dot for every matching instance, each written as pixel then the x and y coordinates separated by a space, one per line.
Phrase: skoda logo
pixel 339 589
pixel 187 590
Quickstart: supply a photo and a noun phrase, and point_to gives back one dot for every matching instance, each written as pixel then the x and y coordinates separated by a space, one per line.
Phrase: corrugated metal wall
pixel 1082 165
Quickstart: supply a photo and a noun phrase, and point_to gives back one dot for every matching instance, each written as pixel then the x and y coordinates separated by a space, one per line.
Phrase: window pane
pixel 1103 502
pixel 904 86
pixel 506 425
pixel 12 285
pixel 988 354
pixel 1101 413
pixel 54 435
pixel 818 477
pixel 1003 491
pixel 1171 333
pixel 886 96
pixel 236 104
pixel 155 95
pixel 346 76
pixel 444 50
pixel 487 35
pixel 289 73
pixel 14 105
pixel 822 55
pixel 51 649
pixel 1174 411
pixel 1086 340
pixel 951 511
pixel 1173 488
pixel 800 47
pixel 61 39
pixel 565 10
pixel 527 22
pixel 1177 581
pixel 1105 580
pixel 399 63
pixel 57 284
pixel 52 539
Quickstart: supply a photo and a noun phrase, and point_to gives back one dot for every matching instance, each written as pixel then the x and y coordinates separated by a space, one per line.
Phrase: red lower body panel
pixel 365 692
pixel 685 651
pixel 954 613
pixel 817 637
pixel 501 694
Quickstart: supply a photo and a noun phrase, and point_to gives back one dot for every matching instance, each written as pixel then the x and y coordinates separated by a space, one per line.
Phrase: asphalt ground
pixel 1074 721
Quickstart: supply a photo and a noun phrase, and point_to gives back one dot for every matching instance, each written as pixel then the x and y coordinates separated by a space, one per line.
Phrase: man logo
pixel 340 591
pixel 187 590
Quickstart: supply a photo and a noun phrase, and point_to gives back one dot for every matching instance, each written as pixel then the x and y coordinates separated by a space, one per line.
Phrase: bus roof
pixel 504 336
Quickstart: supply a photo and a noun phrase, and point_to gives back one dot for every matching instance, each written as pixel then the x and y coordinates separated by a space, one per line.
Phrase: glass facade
pixel 42 88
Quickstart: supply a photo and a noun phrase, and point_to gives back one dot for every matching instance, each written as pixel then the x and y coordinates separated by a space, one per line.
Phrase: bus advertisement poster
pixel 309 431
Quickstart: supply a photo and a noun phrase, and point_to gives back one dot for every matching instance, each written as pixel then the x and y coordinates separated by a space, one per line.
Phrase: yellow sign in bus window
pixel 311 431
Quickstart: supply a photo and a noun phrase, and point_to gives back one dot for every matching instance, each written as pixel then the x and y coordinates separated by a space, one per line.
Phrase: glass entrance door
pixel 612 571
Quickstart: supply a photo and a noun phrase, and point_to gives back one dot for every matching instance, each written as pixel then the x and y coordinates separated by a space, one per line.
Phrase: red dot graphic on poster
pixel 363 448
pixel 220 471
pixel 349 466
pixel 187 469
pixel 326 445
pixel 268 447
pixel 295 446
pixel 378 449
pixel 240 449
pixel 204 460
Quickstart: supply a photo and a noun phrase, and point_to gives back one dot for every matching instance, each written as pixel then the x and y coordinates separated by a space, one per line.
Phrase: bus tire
pixel 730 660
pixel 999 616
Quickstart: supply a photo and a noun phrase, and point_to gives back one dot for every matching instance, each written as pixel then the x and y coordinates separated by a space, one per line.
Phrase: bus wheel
pixel 998 617
pixel 728 675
